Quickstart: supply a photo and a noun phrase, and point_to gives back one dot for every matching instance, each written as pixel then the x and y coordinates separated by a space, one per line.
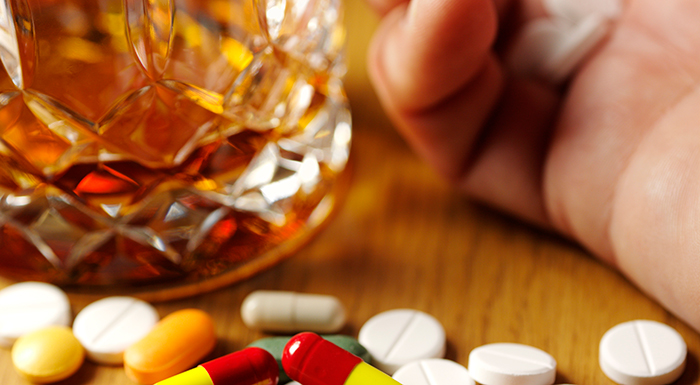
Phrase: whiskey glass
pixel 166 143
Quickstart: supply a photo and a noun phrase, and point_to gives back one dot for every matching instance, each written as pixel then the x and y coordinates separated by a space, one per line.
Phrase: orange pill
pixel 177 343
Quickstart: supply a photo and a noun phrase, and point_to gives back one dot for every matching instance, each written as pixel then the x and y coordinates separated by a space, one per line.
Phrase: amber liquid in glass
pixel 144 141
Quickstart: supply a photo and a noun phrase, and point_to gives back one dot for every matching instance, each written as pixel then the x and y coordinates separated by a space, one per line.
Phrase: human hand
pixel 611 159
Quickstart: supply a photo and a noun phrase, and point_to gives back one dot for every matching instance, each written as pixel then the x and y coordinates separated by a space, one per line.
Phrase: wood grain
pixel 405 239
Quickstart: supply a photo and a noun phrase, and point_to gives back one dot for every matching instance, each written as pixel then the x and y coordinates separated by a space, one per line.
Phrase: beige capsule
pixel 285 311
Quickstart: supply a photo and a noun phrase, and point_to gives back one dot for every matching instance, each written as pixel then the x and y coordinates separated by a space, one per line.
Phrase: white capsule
pixel 642 352
pixel 577 10
pixel 434 371
pixel 511 364
pixel 284 311
pixel 29 306
pixel 106 328
pixel 397 337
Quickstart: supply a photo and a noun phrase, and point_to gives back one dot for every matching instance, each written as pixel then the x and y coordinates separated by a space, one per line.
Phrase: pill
pixel 47 355
pixel 511 364
pixel 642 352
pixel 250 366
pixel 434 371
pixel 576 43
pixel 28 306
pixel 284 311
pixel 576 10
pixel 107 327
pixel 397 337
pixel 311 360
pixel 275 346
pixel 553 49
pixel 178 342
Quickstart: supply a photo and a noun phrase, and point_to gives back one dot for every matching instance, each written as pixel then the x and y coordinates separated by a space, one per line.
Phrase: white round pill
pixel 576 10
pixel 511 364
pixel 434 371
pixel 642 352
pixel 106 328
pixel 397 337
pixel 286 311
pixel 29 306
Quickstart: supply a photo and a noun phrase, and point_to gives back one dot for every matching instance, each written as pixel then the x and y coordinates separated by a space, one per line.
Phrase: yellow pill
pixel 177 343
pixel 48 355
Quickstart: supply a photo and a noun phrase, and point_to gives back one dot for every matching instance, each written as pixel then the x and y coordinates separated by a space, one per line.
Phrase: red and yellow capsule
pixel 250 366
pixel 312 360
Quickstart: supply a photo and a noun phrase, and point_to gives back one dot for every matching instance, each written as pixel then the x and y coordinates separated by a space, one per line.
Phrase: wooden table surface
pixel 404 238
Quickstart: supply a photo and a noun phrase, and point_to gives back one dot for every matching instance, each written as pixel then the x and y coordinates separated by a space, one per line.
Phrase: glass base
pixel 198 283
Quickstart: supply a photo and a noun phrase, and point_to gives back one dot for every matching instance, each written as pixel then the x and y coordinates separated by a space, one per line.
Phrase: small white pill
pixel 642 352
pixel 574 46
pixel 284 311
pixel 434 371
pixel 29 306
pixel 553 49
pixel 511 364
pixel 576 10
pixel 397 337
pixel 106 328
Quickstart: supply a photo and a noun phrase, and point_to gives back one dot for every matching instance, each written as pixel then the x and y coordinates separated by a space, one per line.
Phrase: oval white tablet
pixel 511 364
pixel 397 337
pixel 284 311
pixel 552 49
pixel 642 352
pixel 576 10
pixel 106 328
pixel 29 306
pixel 573 47
pixel 434 371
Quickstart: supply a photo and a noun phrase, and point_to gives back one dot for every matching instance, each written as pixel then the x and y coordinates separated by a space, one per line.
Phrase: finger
pixel 654 225
pixel 383 7
pixel 506 171
pixel 424 52
pixel 445 134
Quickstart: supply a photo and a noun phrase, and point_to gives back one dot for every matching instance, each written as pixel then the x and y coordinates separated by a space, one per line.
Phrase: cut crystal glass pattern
pixel 151 140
